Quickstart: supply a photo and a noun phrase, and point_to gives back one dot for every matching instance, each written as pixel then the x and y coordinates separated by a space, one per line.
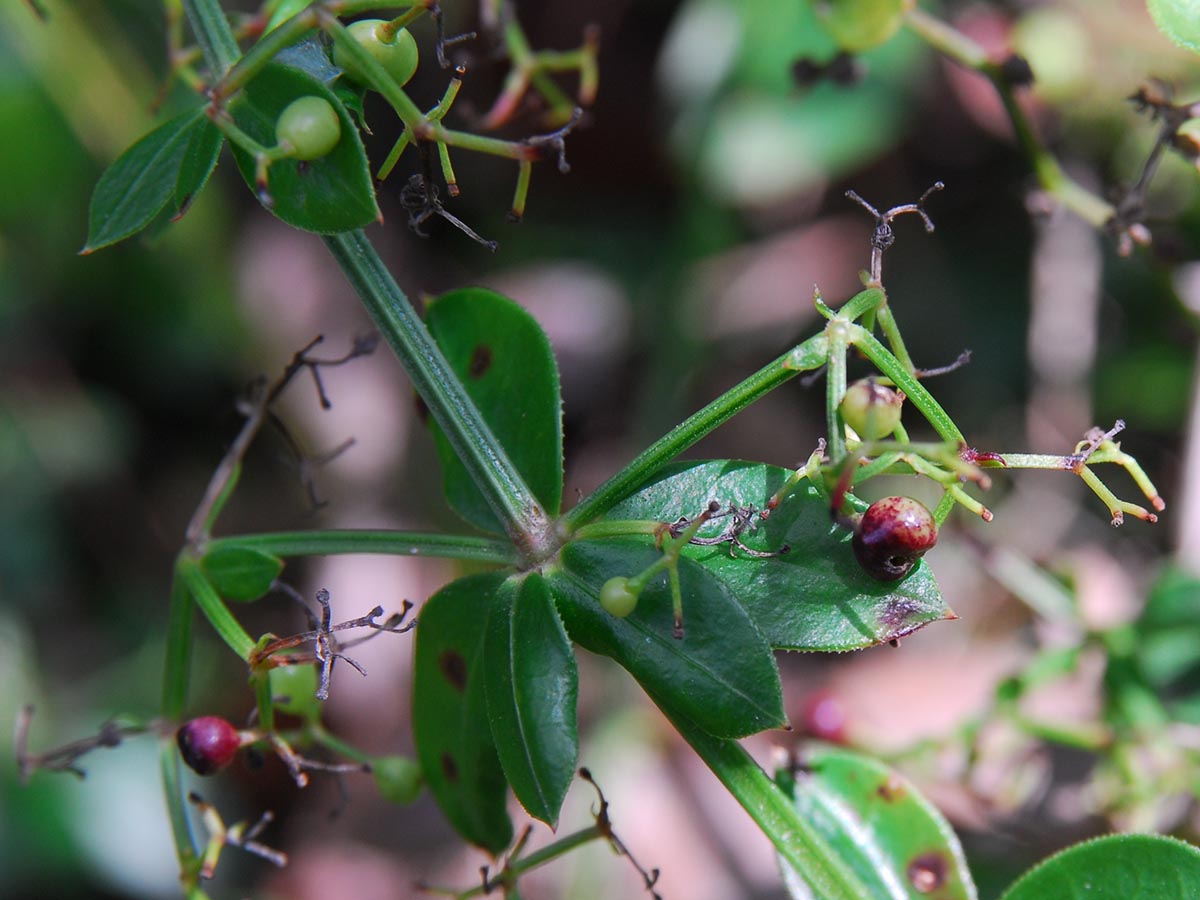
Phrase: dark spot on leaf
pixel 481 361
pixel 897 615
pixel 449 767
pixel 421 408
pixel 890 791
pixel 454 667
pixel 927 872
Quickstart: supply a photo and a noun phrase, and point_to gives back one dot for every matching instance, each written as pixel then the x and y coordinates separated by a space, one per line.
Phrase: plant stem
pixel 485 460
pixel 889 365
pixel 175 686
pixel 797 842
pixel 177 667
pixel 213 34
pixel 258 56
pixel 187 570
pixel 835 389
pixel 802 358
pixel 506 879
pixel 181 829
pixel 956 45
pixel 397 543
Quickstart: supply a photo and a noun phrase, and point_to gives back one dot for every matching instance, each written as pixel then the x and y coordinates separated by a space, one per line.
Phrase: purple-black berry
pixel 892 536
pixel 208 744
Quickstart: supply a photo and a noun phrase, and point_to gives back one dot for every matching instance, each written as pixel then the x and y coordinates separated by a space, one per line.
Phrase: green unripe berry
pixel 398 778
pixel 871 409
pixel 398 56
pixel 310 127
pixel 294 691
pixel 617 598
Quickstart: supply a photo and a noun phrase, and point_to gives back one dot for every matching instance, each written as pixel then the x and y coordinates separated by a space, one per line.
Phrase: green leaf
pixel 199 160
pixel 1179 20
pixel 721 675
pixel 505 362
pixel 327 195
pixel 532 683
pixel 1115 867
pixel 450 722
pixel 240 573
pixel 896 842
pixel 816 596
pixel 135 188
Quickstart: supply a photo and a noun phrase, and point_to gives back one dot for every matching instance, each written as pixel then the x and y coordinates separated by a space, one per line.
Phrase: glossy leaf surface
pixel 241 573
pixel 721 675
pixel 505 362
pixel 896 842
pixel 1116 867
pixel 143 179
pixel 450 723
pixel 814 597
pixel 326 195
pixel 531 686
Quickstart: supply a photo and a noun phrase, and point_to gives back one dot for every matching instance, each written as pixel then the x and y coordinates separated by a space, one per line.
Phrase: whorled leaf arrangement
pixel 496 680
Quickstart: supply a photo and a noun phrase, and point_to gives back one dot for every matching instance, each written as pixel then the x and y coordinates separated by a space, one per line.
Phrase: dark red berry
pixel 207 744
pixel 893 535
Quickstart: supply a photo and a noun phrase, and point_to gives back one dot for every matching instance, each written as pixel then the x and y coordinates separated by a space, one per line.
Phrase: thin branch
pixel 256 408
pixel 63 758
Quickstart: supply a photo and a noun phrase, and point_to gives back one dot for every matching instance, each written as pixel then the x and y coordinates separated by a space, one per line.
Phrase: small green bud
pixel 617 598
pixel 871 409
pixel 310 127
pixel 398 778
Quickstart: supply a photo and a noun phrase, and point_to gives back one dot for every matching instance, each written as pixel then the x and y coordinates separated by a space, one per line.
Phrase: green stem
pixel 617 528
pixel 480 143
pixel 213 34
pixel 835 389
pixel 802 358
pixel 507 878
pixel 437 384
pixel 889 365
pixel 179 651
pixel 396 543
pixel 175 687
pixel 563 845
pixel 318 734
pixel 187 570
pixel 956 45
pixel 258 56
pixel 181 829
pixel 891 330
pixel 797 841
